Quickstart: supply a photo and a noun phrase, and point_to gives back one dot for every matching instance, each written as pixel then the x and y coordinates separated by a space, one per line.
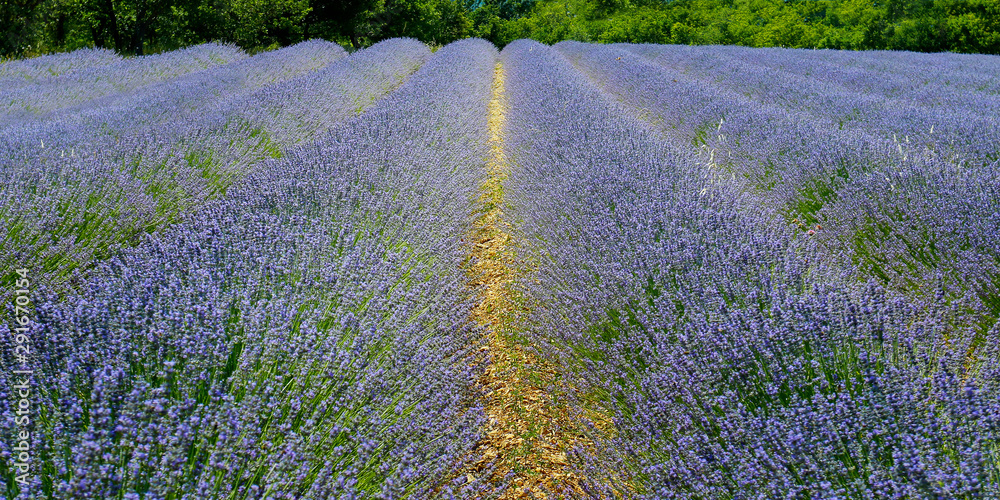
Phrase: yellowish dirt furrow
pixel 527 434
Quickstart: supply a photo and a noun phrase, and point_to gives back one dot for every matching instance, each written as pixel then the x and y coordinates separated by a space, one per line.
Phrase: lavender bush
pixel 949 113
pixel 18 73
pixel 90 83
pixel 248 272
pixel 840 186
pixel 739 359
pixel 155 160
pixel 303 336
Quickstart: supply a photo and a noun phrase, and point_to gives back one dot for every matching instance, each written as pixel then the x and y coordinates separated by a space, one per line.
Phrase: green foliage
pixel 32 27
pixel 925 25
pixel 266 24
pixel 554 21
pixel 645 24
pixel 430 21
pixel 341 18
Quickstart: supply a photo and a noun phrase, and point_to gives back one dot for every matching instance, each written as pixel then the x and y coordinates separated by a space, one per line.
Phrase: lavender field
pixel 577 271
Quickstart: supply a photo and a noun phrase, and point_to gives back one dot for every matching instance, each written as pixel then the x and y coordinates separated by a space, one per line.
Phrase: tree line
pixel 132 27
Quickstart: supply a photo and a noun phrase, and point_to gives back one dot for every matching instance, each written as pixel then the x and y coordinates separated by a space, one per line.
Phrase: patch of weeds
pixel 265 144
pixel 202 162
pixel 816 193
pixel 811 198
pixel 871 241
pixel 700 136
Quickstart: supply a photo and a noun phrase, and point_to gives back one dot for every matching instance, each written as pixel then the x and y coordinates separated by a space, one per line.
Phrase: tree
pixel 258 24
pixel 430 21
pixel 342 18
pixel 16 25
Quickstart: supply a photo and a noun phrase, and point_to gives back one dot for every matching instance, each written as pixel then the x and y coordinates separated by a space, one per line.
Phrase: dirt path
pixel 527 432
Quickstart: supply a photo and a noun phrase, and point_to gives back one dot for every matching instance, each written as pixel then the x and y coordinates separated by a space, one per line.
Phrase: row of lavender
pixel 303 336
pixel 916 219
pixel 91 75
pixel 18 73
pixel 950 112
pixel 740 356
pixel 937 79
pixel 85 180
pixel 941 113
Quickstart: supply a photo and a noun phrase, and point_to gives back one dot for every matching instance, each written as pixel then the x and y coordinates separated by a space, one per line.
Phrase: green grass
pixel 814 195
pixel 874 236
